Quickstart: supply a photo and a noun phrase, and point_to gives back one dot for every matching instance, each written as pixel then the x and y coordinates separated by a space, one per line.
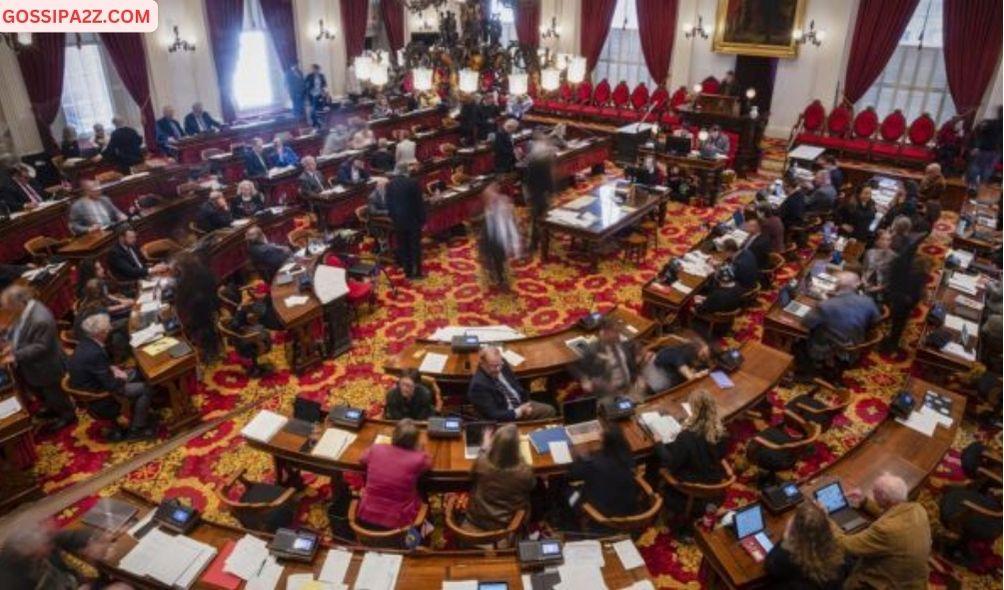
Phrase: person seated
pixel 266 258
pixel 716 144
pixel 607 476
pixel 924 224
pixel 855 217
pixel 337 140
pixel 249 321
pixel 99 138
pixel 169 131
pixel 381 108
pixel 376 203
pixel 125 146
pixel 363 137
pixel 69 147
pixel 744 265
pixel 729 86
pixel 824 195
pixel 488 115
pixel 901 234
pixel 757 243
pixel 390 498
pixel 256 161
pixel 353 171
pixel 610 366
pixel 118 304
pixel 875 266
pixel 772 227
pixel 792 209
pixel 311 179
pixel 518 106
pixel 501 482
pixel 125 261
pixel 841 320
pixel 92 211
pixel 91 369
pixel 214 214
pixel 679 363
pixel 836 174
pixel 902 205
pixel 429 99
pixel 21 191
pixel 199 121
pixel 12 272
pixel 696 454
pixel 932 185
pixel 497 394
pixel 724 296
pixel 382 160
pixel 809 557
pixel 502 146
pixel 94 299
pixel 892 552
pixel 409 398
pixel 281 155
pixel 247 201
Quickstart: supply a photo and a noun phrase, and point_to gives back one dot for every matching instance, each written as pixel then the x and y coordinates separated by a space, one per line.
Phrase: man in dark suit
pixel 353 171
pixel 34 348
pixel 199 121
pixel 610 365
pixel 792 209
pixel 294 86
pixel 758 243
pixel 266 258
pixel 406 208
pixel 91 369
pixel 538 184
pixel 488 114
pixel 256 160
pixel 125 260
pixel 311 180
pixel 743 262
pixel 497 395
pixel 125 146
pixel 315 88
pixel 169 131
pixel 214 214
pixel 21 191
pixel 505 151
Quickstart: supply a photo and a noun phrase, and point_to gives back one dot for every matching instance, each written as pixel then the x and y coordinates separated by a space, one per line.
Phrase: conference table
pixel 891 447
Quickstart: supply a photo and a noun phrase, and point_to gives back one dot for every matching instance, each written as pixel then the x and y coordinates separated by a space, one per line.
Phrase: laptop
pixel 474 437
pixel 582 425
pixel 749 527
pixel 831 497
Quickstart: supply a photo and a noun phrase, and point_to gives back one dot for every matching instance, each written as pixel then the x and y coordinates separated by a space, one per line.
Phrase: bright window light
pixel 253 87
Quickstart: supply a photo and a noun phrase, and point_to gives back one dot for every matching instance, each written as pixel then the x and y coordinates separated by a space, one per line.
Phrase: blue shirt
pixel 847 316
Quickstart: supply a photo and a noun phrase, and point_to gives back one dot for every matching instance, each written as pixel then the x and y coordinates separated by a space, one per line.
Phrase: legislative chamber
pixel 501 295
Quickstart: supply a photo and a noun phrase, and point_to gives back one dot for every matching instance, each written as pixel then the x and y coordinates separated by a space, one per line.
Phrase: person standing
pixel 315 88
pixel 125 146
pixel 500 239
pixel 985 152
pixel 538 185
pixel 295 86
pixel 406 208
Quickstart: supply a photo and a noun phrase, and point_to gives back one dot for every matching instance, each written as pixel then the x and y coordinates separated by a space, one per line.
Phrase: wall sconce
pixel 690 31
pixel 811 36
pixel 552 31
pixel 323 33
pixel 750 93
pixel 179 44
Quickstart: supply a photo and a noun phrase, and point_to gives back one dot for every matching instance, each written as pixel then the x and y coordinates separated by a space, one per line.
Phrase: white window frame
pixel 507 16
pixel 87 93
pixel 622 58
pixel 267 75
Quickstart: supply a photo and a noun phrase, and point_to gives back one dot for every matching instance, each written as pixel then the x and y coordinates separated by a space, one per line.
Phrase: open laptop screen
pixel 580 410
pixel 831 497
pixel 749 521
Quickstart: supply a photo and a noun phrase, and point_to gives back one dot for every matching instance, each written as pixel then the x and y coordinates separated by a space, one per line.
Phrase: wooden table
pixel 50 220
pixel 161 180
pixel 612 217
pixel 17 452
pixel 938 365
pixel 857 173
pixel 305 347
pixel 749 131
pixel 480 159
pixel 454 206
pixel 890 447
pixel 225 250
pixel 708 171
pixel 175 376
pixel 983 234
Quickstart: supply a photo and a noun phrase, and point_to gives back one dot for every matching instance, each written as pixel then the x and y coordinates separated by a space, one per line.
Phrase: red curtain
pixel 279 19
pixel 42 70
pixel 354 26
pixel 224 20
pixel 129 56
pixel 593 29
pixel 877 31
pixel 528 22
pixel 657 30
pixel 392 12
pixel 972 30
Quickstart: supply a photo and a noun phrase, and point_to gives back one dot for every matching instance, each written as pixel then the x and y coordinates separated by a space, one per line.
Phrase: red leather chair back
pixel 866 123
pixel 839 120
pixel 621 94
pixel 601 94
pixel 709 85
pixel 679 97
pixel 584 93
pixel 813 117
pixel 921 130
pixel 660 96
pixel 639 97
pixel 565 90
pixel 893 126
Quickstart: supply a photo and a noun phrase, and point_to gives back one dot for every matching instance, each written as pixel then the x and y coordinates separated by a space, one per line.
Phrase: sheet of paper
pixel 959 324
pixel 264 426
pixel 141 523
pixel 512 357
pixel 460 585
pixel 378 571
pixel 9 407
pixel 954 348
pixel 298 581
pixel 628 553
pixel 433 362
pixel 330 283
pixel 577 577
pixel 663 427
pixel 922 422
pixel 336 563
pixel 641 585
pixel 268 578
pixel 333 443
pixel 560 452
pixel 247 558
pixel 584 553
pixel 160 345
pixel 295 300
pixel 722 380
pixel 140 338
pixel 678 286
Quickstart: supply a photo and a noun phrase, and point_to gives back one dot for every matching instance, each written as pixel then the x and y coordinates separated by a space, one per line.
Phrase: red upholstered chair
pixel 640 97
pixel 678 98
pixel 618 101
pixel 838 125
pixel 359 291
pixel 408 83
pixel 865 125
pixel 487 80
pixel 890 135
pixel 581 98
pixel 919 136
pixel 811 122
pixel 709 85
pixel 659 98
pixel 600 100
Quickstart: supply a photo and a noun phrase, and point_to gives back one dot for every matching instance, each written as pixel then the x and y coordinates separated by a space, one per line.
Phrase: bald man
pixel 497 395
pixel 893 551
pixel 843 319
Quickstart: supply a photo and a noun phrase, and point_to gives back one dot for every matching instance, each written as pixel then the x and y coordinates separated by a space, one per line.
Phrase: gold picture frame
pixel 731 38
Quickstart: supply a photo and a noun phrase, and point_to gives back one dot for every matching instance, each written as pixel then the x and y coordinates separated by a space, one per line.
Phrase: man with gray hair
pixel 91 369
pixel 843 319
pixel 824 197
pixel 93 211
pixel 893 551
pixel 33 348
pixel 497 394
pixel 406 208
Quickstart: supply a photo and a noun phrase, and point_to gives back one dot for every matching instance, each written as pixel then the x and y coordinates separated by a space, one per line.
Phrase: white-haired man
pixel 843 319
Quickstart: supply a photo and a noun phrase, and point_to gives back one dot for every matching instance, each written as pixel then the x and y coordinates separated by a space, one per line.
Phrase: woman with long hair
pixel 197 303
pixel 696 454
pixel 390 497
pixel 502 482
pixel 809 557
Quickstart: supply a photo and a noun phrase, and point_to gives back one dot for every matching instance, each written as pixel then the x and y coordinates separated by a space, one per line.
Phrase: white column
pixel 15 106
pixel 184 77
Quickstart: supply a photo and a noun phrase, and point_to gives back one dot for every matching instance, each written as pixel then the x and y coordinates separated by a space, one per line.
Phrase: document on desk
pixel 575 576
pixel 378 571
pixel 330 283
pixel 336 564
pixel 628 553
pixel 584 553
pixel 956 349
pixel 160 345
pixel 959 324
pixel 580 203
pixel 663 428
pixel 268 577
pixel 460 585
pixel 333 443
pixel 433 362
pixel 922 422
pixel 171 560
pixel 247 558
pixel 512 357
pixel 264 426
pixel 145 336
pixel 295 300
pixel 678 286
pixel 968 284
pixel 9 407
pixel 560 453
pixel 722 380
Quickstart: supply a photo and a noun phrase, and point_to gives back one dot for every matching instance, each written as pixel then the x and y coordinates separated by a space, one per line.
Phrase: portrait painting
pixel 758 27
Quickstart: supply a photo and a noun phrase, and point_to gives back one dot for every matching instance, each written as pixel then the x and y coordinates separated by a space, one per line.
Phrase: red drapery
pixel 279 19
pixel 877 31
pixel 593 29
pixel 657 31
pixel 392 12
pixel 225 19
pixel 972 43
pixel 354 25
pixel 129 56
pixel 528 22
pixel 42 70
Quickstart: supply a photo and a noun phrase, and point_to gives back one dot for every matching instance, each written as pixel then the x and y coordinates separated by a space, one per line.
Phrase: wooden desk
pixel 938 365
pixel 857 173
pixel 177 377
pixel 386 127
pixel 891 447
pixel 708 171
pixel 337 206
pixel 979 238
pixel 480 159
pixel 587 153
pixel 225 250
pixel 50 220
pixel 17 453
pixel 750 132
pixel 160 180
pixel 305 348
pixel 449 209
pixel 190 148
pixel 422 569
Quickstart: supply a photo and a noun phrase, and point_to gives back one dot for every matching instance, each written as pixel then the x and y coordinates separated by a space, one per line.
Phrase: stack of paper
pixel 268 577
pixel 433 362
pixel 513 358
pixel 967 284
pixel 664 428
pixel 145 336
pixel 627 552
pixel 682 288
pixel 336 564
pixel 329 283
pixel 247 558
pixel 584 553
pixel 175 561
pixel 264 426
pixel 9 407
pixel 958 324
pixel 496 333
pixel 964 257
pixel 295 300
pixel 160 345
pixel 576 576
pixel 333 443
pixel 954 348
pixel 378 571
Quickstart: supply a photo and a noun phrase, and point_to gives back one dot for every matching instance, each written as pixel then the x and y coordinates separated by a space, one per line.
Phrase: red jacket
pixel 390 497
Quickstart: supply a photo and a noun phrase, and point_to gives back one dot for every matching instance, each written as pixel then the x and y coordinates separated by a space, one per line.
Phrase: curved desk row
pixel 891 447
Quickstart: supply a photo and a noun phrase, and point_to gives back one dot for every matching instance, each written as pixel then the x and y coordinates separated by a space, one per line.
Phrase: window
pixel 508 19
pixel 622 58
pixel 914 80
pixel 86 96
pixel 257 84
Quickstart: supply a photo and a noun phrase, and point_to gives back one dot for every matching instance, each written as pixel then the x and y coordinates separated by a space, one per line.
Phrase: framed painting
pixel 758 27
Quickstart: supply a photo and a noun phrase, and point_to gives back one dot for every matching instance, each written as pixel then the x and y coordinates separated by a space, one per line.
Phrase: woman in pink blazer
pixel 390 498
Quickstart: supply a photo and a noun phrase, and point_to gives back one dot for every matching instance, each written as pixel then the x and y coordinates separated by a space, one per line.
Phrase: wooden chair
pixel 791 252
pixel 821 410
pixel 635 248
pixel 107 176
pixel 474 538
pixel 774 264
pixel 262 507
pixel 717 320
pixel 298 237
pixel 847 355
pixel 249 346
pixel 40 248
pixel 393 538
pixel 634 523
pixel 437 393
pixel 229 304
pixel 774 449
pixel 195 229
pixel 750 297
pixel 156 251
pixel 693 491
pixel 650 229
pixel 99 404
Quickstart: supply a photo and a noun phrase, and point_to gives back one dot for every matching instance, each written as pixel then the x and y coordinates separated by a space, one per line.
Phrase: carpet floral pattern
pixel 544 297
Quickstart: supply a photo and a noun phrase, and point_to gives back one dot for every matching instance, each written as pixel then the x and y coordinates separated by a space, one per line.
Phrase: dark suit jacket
pixel 308 82
pixel 255 165
pixel 70 149
pixel 267 259
pixel 123 265
pixel 125 147
pixel 760 247
pixel 489 398
pixel 405 204
pixel 192 124
pixel 607 484
pixel 792 210
pixel 240 209
pixel 39 356
pixel 692 458
pixel 745 269
pixel 505 153
pixel 91 368
pixel 382 160
pixel 168 129
pixel 16 197
pixel 345 173
pixel 311 184
pixel 210 218
pixel 722 299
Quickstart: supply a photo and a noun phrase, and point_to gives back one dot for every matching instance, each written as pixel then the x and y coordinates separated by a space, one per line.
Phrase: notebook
pixel 541 439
